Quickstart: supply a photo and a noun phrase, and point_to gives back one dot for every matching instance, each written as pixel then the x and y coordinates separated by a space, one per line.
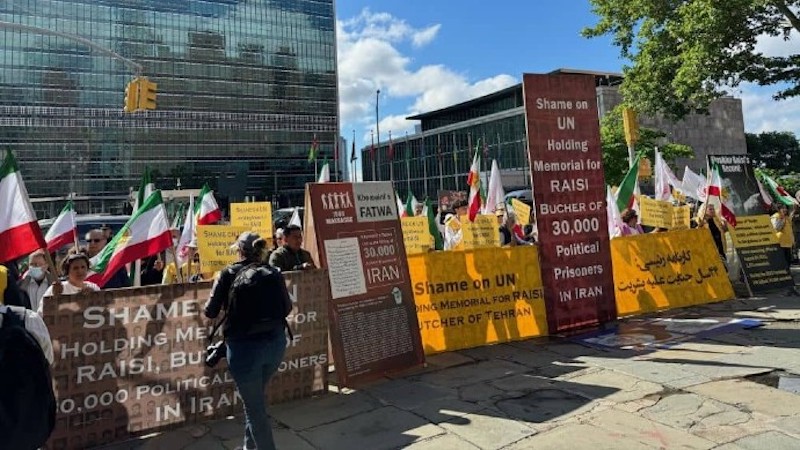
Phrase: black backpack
pixel 27 401
pixel 258 301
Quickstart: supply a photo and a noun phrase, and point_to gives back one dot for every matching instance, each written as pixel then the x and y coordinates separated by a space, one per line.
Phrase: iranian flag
pixel 206 211
pixel 63 231
pixel 474 182
pixel 146 233
pixel 411 205
pixel 325 173
pixel 778 192
pixel 401 207
pixel 715 195
pixel 626 194
pixel 146 187
pixel 19 232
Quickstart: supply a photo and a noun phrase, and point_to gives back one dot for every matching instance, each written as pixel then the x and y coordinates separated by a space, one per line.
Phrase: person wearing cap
pixel 253 357
pixel 291 256
pixel 188 273
pixel 453 235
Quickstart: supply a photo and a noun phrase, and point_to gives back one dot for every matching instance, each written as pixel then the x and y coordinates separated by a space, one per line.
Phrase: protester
pixel 10 294
pixel 152 270
pixel 187 273
pixel 254 352
pixel 782 222
pixel 96 240
pixel 37 279
pixel 630 224
pixel 708 218
pixel 453 234
pixel 76 266
pixel 291 256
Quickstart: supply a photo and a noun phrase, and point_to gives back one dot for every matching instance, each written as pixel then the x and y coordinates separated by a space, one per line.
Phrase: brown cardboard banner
pixel 353 230
pixel 131 361
pixel 569 194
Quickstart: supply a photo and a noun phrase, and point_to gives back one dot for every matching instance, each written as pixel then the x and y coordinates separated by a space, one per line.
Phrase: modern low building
pixel 244 88
pixel 439 155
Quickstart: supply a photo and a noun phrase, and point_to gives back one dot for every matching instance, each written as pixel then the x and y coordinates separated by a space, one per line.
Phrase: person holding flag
pixel 708 218
pixel 782 222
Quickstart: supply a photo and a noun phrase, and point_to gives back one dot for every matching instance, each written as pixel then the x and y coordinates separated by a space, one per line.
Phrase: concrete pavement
pixel 713 393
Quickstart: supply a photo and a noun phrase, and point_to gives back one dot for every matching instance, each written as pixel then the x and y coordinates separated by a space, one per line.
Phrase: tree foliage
pixel 778 150
pixel 615 149
pixel 684 53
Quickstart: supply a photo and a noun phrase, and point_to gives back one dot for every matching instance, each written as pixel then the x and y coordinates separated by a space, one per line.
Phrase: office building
pixel 244 88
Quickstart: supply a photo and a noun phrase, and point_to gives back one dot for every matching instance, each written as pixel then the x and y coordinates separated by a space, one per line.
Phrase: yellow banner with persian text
pixel 483 232
pixel 256 216
pixel 667 270
pixel 214 245
pixel 477 297
pixel 655 213
pixel 416 236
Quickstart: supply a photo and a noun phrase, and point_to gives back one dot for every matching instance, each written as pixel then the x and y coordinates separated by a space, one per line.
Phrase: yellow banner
pixel 483 232
pixel 655 213
pixel 416 236
pixel 213 244
pixel 522 211
pixel 256 216
pixel 753 231
pixel 667 270
pixel 681 216
pixel 477 297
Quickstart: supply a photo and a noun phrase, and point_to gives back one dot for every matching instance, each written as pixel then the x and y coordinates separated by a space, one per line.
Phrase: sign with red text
pixel 354 231
pixel 569 194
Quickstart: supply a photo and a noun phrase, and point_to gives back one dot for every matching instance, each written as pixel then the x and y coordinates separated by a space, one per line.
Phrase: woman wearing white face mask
pixel 37 279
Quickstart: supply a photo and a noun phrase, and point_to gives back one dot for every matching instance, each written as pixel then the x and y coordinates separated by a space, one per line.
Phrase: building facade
pixel 244 88
pixel 439 155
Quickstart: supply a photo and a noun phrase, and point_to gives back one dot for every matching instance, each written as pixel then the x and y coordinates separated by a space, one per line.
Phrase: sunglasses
pixel 96 240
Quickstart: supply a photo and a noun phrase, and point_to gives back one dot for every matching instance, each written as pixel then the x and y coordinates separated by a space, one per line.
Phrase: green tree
pixel 779 150
pixel 685 52
pixel 615 149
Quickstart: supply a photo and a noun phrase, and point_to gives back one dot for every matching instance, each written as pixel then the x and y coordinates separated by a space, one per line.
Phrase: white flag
pixel 295 220
pixel 693 185
pixel 187 236
pixel 664 178
pixel 495 194
pixel 612 211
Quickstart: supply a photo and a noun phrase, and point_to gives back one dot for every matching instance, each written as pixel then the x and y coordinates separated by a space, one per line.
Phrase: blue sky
pixel 428 54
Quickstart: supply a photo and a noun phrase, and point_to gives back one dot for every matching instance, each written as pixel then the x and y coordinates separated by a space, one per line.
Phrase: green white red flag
pixel 778 192
pixel 63 231
pixel 401 207
pixel 206 210
pixel 715 195
pixel 474 182
pixel 19 231
pixel 145 234
pixel 626 194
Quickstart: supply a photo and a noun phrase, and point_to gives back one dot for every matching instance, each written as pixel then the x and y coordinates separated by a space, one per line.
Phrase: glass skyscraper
pixel 244 88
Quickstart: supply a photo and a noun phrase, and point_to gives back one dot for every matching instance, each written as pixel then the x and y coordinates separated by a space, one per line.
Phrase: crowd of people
pixel 511 233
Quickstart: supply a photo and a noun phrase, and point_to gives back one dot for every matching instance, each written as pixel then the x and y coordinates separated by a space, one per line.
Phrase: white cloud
pixel 777 45
pixel 763 113
pixel 370 58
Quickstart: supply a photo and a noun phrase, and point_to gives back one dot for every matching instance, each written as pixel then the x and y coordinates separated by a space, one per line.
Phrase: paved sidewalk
pixel 555 394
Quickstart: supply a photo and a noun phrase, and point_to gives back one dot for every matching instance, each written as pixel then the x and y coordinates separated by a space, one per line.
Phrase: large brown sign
pixel 130 361
pixel 353 230
pixel 569 193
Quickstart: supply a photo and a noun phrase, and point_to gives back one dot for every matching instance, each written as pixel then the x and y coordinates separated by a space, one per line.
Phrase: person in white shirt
pixel 453 234
pixel 76 267
pixel 37 279
pixel 36 326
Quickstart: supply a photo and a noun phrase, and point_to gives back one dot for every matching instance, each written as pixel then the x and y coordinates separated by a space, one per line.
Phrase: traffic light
pixel 631 126
pixel 132 95
pixel 147 94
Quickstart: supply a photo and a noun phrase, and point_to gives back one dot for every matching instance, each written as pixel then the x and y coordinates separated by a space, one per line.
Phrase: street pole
pixel 378 125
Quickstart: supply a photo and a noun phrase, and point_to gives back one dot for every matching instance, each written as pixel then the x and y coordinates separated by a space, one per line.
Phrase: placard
pixel 681 217
pixel 129 362
pixel 257 216
pixel 763 261
pixel 477 297
pixel 214 246
pixel 569 193
pixel 667 270
pixel 482 233
pixel 739 186
pixel 655 213
pixel 355 233
pixel 416 235
pixel 522 212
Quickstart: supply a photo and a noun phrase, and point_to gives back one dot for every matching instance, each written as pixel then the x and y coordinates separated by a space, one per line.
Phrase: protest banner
pixel 569 194
pixel 655 213
pixel 521 211
pixel 353 230
pixel 416 237
pixel 214 245
pixel 763 261
pixel 681 217
pixel 477 297
pixel 130 362
pixel 257 216
pixel 482 233
pixel 739 185
pixel 667 270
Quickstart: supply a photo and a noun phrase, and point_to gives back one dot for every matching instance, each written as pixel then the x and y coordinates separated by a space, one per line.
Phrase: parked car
pixel 281 217
pixel 523 195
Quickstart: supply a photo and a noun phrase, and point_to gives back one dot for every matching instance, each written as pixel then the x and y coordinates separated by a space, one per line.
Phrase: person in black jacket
pixel 11 294
pixel 254 353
